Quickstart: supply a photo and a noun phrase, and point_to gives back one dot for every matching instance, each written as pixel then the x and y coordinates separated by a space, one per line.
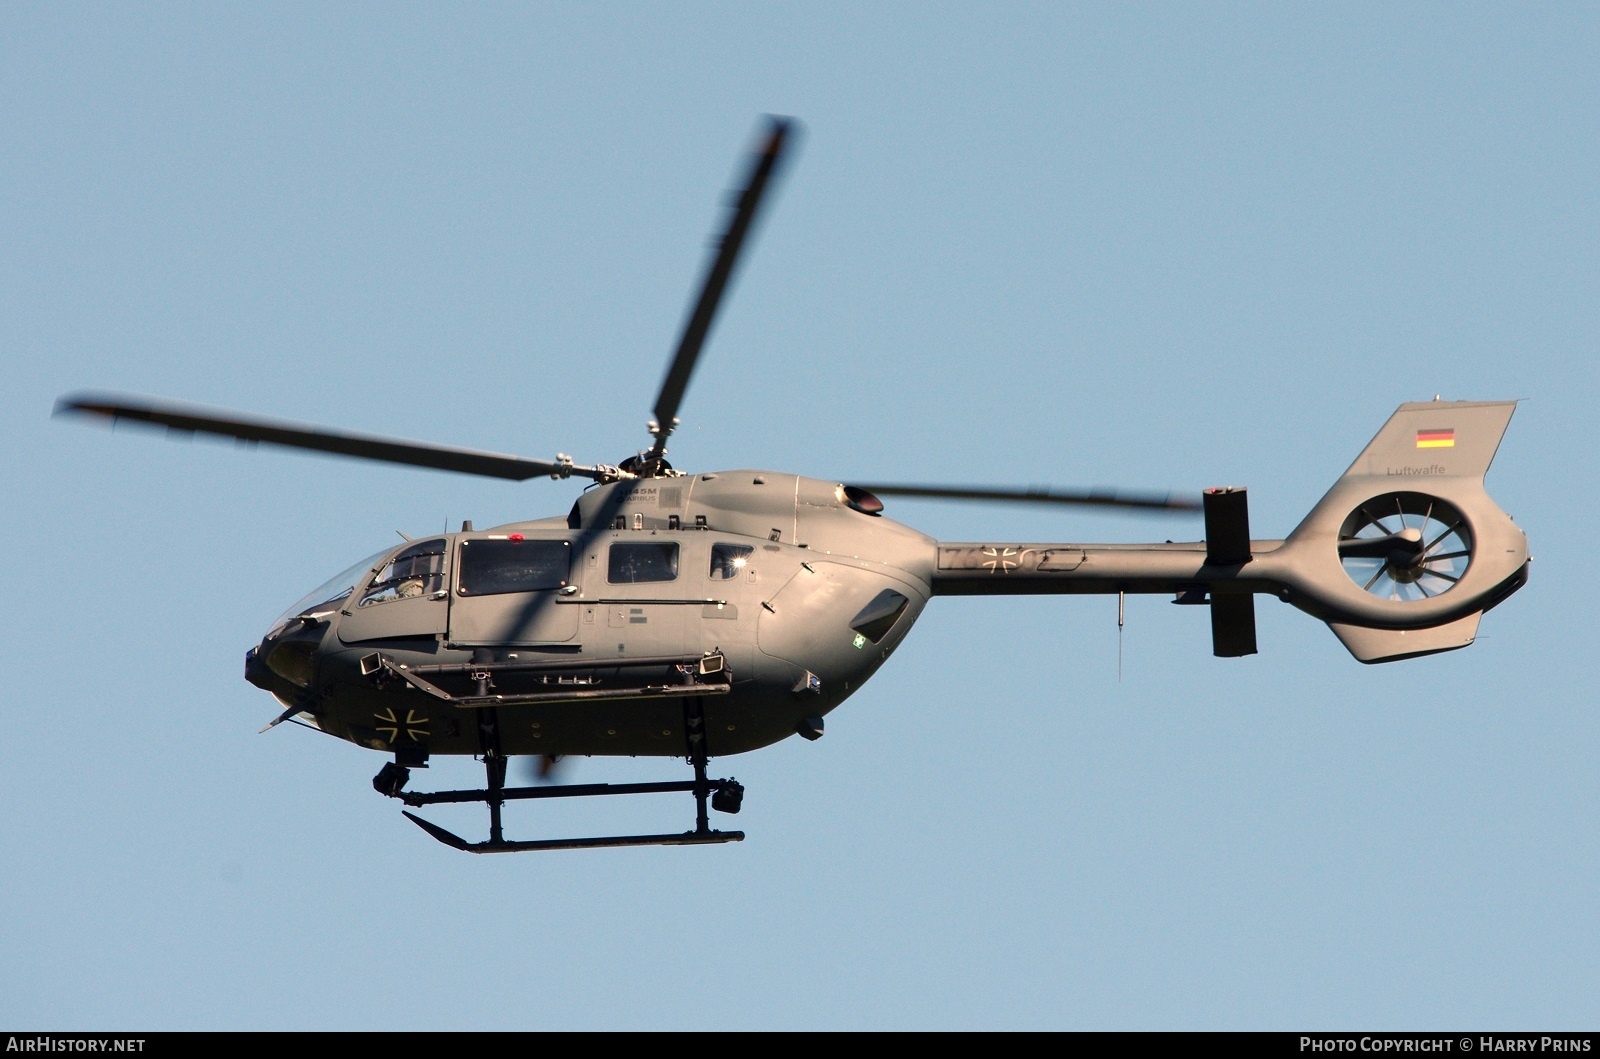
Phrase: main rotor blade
pixel 763 163
pixel 223 423
pixel 1041 495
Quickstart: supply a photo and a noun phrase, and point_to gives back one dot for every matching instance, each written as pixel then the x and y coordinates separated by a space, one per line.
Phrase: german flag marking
pixel 1436 439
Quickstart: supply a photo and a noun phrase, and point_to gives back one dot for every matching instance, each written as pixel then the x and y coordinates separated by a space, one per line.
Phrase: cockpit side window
pixel 417 570
pixel 729 560
pixel 489 567
pixel 636 562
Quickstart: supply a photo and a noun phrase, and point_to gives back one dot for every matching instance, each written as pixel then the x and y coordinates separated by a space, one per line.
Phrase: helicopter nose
pixel 288 654
pixel 256 671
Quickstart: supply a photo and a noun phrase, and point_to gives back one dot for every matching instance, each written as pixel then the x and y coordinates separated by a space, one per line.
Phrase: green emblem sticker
pixel 861 641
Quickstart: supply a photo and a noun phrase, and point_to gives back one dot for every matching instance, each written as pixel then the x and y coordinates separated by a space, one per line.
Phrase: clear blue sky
pixel 1142 245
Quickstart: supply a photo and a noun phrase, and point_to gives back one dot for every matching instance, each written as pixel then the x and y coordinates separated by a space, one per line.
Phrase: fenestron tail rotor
pixel 1405 546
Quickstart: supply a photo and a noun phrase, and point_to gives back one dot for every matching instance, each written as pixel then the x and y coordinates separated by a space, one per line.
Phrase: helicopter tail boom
pixel 1400 557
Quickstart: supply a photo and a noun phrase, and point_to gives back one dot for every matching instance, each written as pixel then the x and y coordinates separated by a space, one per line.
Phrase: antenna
pixel 1121 615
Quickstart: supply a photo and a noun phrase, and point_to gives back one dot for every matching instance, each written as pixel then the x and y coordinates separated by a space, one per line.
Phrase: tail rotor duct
pixel 1405 546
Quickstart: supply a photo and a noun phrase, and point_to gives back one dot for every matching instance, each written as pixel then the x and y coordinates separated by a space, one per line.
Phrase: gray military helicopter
pixel 670 614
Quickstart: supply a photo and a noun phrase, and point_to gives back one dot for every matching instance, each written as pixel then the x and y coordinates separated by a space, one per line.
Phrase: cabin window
pixel 636 562
pixel 879 616
pixel 416 570
pixel 489 567
pixel 729 560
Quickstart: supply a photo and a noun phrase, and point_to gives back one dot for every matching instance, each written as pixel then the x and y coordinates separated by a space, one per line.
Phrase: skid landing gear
pixel 724 795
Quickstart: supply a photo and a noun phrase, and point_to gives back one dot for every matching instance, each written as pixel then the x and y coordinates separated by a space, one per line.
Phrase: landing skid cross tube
pixel 724 795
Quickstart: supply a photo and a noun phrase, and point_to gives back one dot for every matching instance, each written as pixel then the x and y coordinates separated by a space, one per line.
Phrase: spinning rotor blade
pixel 545 768
pixel 1041 495
pixel 1407 542
pixel 763 164
pixel 195 420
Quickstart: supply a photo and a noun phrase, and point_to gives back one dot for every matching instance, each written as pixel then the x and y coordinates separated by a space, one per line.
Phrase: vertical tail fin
pixel 1436 439
pixel 1406 551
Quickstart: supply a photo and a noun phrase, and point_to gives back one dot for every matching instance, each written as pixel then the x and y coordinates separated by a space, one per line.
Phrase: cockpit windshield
pixel 330 591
